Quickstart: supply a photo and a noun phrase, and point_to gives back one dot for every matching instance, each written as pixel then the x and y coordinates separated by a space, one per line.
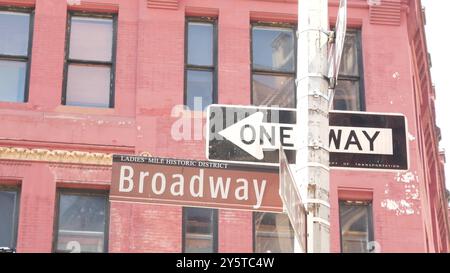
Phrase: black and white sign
pixel 368 140
pixel 247 134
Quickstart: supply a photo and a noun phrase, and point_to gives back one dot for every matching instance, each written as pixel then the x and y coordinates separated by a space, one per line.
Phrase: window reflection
pixel 349 62
pixel 81 223
pixel 274 90
pixel 349 86
pixel 88 85
pixel 14 33
pixel 200 44
pixel 356 226
pixel 273 233
pixel 199 230
pixel 200 64
pixel 273 49
pixel 14 50
pixel 8 217
pixel 12 80
pixel 346 96
pixel 89 65
pixel 273 66
pixel 91 39
pixel 200 88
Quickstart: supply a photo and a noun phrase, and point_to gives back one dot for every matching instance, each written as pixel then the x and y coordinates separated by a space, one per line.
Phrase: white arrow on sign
pixel 255 136
pixel 246 132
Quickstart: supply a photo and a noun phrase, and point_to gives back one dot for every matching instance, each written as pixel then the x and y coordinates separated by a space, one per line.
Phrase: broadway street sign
pixel 337 47
pixel 292 201
pixel 252 135
pixel 194 183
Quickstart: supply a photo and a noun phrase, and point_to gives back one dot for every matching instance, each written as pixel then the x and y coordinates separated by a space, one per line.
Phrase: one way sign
pixel 246 134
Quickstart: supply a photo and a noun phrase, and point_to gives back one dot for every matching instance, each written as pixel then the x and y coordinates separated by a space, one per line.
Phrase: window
pixel 349 92
pixel 90 60
pixel 273 66
pixel 81 222
pixel 15 52
pixel 273 233
pixel 199 230
pixel 356 226
pixel 200 63
pixel 9 214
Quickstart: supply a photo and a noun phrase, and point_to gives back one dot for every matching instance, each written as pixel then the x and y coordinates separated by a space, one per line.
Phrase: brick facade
pixel 149 82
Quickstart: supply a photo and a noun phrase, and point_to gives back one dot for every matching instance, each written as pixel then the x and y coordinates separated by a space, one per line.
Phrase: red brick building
pixel 85 80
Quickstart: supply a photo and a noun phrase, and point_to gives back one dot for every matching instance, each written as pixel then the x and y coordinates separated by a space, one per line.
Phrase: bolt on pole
pixel 312 159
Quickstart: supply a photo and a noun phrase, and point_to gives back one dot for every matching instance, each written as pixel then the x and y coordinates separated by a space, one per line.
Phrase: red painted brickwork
pixel 145 228
pixel 235 231
pixel 149 82
pixel 36 210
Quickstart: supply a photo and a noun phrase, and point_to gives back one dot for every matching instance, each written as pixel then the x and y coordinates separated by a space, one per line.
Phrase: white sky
pixel 436 31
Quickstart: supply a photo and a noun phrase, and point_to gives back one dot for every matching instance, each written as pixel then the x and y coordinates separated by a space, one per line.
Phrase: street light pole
pixel 312 159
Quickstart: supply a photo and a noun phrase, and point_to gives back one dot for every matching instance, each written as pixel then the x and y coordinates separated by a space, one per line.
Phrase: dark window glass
pixel 356 226
pixel 273 66
pixel 349 89
pixel 200 64
pixel 200 230
pixel 346 96
pixel 8 218
pixel 82 223
pixel 349 62
pixel 14 55
pixel 273 233
pixel 90 62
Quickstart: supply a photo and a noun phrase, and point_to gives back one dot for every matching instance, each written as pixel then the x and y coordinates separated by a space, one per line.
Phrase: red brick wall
pixel 235 231
pixel 149 82
pixel 37 199
pixel 144 228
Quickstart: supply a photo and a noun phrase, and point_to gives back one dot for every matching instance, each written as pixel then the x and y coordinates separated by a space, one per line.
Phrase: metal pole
pixel 312 159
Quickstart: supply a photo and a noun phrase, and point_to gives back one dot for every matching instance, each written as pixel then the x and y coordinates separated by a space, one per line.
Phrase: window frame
pixel 80 192
pixel 21 58
pixel 360 78
pixel 112 63
pixel 214 68
pixel 254 229
pixel 267 72
pixel 215 228
pixel 17 190
pixel 369 204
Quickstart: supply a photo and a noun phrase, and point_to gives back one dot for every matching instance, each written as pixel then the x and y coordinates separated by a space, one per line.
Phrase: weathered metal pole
pixel 312 159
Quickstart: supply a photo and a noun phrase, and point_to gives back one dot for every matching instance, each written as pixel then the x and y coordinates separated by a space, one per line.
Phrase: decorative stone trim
pixel 147 154
pixel 7 162
pixel 163 4
pixel 57 156
pixel 80 167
